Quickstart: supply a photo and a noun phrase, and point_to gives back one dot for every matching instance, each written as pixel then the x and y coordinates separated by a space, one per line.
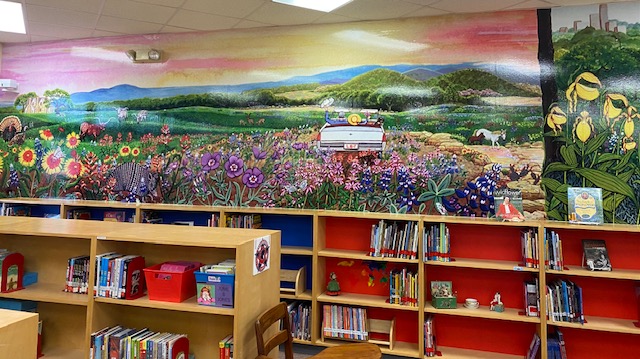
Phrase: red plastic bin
pixel 169 286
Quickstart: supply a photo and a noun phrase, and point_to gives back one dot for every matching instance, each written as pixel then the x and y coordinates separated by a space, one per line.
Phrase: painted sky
pixel 274 54
pixel 565 16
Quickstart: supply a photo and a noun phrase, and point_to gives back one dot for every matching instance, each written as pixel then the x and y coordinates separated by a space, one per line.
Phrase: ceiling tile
pixel 278 14
pixel 427 11
pixel 331 18
pixel 109 23
pixel 138 11
pixel 92 6
pixel 10 37
pixel 467 6
pixel 201 21
pixel 532 4
pixel 248 24
pixel 49 15
pixel 59 31
pixel 422 2
pixel 239 9
pixel 174 29
pixel 170 3
pixel 36 38
pixel 377 9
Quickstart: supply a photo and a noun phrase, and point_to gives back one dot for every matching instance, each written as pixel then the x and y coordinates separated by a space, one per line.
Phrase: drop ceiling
pixel 51 20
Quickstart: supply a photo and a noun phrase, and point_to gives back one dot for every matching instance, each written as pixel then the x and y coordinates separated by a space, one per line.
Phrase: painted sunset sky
pixel 275 54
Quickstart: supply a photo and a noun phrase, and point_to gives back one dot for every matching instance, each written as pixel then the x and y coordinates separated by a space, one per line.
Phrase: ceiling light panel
pixel 11 17
pixel 319 5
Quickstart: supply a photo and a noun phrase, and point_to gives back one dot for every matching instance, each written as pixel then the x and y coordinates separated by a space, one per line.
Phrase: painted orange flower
pixel 27 157
pixel 46 135
pixel 1 163
pixel 73 140
pixel 52 161
pixel 73 168
pixel 125 151
pixel 135 152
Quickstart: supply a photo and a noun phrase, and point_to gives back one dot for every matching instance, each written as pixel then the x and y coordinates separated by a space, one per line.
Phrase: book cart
pixel 69 319
pixel 486 258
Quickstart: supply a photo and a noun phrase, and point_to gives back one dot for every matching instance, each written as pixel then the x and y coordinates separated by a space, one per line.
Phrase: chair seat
pixel 351 351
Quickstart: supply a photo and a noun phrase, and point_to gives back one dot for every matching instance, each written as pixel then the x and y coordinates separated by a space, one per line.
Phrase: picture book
pixel 114 216
pixel 595 256
pixel 508 204
pixel 585 205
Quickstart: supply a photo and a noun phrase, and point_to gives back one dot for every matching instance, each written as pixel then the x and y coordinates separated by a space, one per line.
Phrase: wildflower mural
pixel 411 117
pixel 592 125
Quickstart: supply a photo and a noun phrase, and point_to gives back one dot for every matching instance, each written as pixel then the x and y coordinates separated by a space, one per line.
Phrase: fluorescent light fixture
pixel 319 5
pixel 11 18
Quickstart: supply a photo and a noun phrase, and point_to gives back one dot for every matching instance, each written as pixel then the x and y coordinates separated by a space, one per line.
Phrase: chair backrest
pixel 270 317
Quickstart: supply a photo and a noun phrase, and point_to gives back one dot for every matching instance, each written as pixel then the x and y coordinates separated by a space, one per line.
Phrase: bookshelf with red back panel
pixel 485 257
pixel 343 244
pixel 610 302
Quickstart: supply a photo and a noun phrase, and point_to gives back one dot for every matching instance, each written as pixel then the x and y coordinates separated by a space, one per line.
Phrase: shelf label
pixel 102 237
pixel 518 268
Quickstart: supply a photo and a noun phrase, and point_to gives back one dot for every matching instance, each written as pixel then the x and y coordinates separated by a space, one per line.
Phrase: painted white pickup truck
pixel 353 133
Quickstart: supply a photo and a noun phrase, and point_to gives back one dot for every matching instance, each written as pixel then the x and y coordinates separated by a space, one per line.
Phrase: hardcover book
pixel 595 256
pixel 508 204
pixel 585 205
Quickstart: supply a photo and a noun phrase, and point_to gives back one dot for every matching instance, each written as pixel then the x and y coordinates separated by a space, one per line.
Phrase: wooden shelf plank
pixel 190 305
pixel 458 353
pixel 351 254
pixel 602 324
pixel 484 264
pixel 306 295
pixel 47 292
pixel 400 348
pixel 61 353
pixel 606 227
pixel 369 215
pixel 627 274
pixel 363 300
pixel 300 251
pixel 483 311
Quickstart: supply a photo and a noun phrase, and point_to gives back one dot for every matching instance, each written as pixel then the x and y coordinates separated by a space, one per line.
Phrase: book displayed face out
pixel 585 205
pixel 595 256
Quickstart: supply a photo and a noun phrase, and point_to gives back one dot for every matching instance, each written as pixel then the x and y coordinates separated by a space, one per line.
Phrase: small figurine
pixel 496 304
pixel 333 288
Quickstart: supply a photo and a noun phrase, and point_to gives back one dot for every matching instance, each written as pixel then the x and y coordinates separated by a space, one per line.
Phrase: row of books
pixel 120 342
pixel 244 221
pixel 344 322
pixel 430 347
pixel 119 276
pixel 394 240
pixel 228 266
pixel 299 319
pixel 437 243
pixel 553 258
pixel 226 347
pixel 556 348
pixel 565 302
pixel 15 210
pixel 529 241
pixel 532 298
pixel 214 221
pixel 403 287
pixel 77 275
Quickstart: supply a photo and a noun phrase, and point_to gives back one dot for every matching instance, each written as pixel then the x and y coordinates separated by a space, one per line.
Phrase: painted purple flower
pixel 253 177
pixel 234 166
pixel 258 153
pixel 210 161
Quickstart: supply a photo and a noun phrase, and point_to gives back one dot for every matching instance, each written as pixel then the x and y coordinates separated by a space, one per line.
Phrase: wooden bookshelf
pixel 485 253
pixel 69 319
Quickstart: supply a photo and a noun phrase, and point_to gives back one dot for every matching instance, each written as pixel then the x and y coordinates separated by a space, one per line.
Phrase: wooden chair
pixel 283 337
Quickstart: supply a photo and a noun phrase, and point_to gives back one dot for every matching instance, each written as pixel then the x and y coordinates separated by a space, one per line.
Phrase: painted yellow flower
pixel 135 152
pixel 27 157
pixel 73 168
pixel 46 135
pixel 610 111
pixel 52 162
pixel 583 127
pixel 1 165
pixel 125 151
pixel 14 150
pixel 579 90
pixel 73 140
pixel 556 118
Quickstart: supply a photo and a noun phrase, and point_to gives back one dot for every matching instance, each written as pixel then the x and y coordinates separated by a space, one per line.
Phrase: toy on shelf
pixel 333 288
pixel 442 295
pixel 496 304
